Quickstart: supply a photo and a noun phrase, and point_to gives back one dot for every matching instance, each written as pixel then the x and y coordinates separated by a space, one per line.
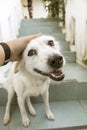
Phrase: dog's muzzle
pixel 56 63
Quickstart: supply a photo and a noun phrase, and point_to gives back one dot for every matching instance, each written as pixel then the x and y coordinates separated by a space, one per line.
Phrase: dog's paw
pixel 33 112
pixel 50 116
pixel 26 122
pixel 6 119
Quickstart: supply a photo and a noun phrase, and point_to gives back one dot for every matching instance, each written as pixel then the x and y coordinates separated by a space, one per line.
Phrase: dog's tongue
pixel 57 75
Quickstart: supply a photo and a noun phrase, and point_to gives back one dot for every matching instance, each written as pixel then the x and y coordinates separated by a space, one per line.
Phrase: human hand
pixel 18 45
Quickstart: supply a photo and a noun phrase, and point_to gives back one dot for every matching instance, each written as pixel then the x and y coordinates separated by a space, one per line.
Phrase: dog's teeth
pixel 53 75
pixel 56 76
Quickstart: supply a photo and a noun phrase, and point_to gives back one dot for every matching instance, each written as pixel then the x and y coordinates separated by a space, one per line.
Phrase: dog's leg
pixel 30 107
pixel 6 118
pixel 45 97
pixel 25 119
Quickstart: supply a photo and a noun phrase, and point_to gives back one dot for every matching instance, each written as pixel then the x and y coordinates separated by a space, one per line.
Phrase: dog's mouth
pixel 56 75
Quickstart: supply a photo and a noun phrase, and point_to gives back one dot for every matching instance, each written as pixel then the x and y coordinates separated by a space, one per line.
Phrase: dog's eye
pixel 51 43
pixel 32 52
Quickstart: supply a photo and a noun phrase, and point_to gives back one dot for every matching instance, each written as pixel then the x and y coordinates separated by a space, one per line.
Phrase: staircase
pixel 68 99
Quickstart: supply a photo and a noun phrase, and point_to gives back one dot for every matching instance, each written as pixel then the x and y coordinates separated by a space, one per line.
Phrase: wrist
pixel 6 53
pixel 2 56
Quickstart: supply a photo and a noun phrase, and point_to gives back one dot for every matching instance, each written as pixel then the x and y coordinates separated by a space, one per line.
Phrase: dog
pixel 41 61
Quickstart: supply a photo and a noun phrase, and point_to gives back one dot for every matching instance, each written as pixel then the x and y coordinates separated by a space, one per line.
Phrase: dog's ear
pixel 18 66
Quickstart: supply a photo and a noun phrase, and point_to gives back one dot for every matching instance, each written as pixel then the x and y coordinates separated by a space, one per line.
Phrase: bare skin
pixel 17 46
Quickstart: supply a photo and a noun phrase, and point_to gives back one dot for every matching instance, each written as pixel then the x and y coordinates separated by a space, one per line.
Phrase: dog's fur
pixel 26 81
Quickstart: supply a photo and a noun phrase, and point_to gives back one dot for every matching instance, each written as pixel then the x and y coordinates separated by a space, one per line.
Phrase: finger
pixel 30 37
pixel 37 35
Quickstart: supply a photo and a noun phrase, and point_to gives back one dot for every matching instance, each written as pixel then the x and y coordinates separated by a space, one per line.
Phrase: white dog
pixel 31 77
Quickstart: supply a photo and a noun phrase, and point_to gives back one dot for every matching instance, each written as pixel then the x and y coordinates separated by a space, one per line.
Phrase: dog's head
pixel 42 58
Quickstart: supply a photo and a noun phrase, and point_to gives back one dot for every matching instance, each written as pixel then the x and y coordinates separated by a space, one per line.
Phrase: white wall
pixel 38 9
pixel 10 18
pixel 76 26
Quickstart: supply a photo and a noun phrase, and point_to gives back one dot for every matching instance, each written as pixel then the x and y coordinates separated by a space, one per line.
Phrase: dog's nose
pixel 55 61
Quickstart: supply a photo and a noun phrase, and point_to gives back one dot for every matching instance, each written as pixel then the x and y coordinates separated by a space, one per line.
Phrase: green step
pixel 51 28
pixel 31 26
pixel 69 115
pixel 59 36
pixel 66 91
pixel 41 20
pixel 28 22
pixel 28 27
pixel 64 47
pixel 70 57
pixel 75 71
pixel 44 30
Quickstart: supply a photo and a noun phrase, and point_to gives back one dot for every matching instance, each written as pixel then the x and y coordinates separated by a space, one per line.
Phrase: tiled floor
pixel 69 114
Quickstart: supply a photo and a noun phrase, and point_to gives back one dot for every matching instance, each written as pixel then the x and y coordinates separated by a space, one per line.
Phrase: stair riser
pixel 46 31
pixel 58 92
pixel 38 23
pixel 70 57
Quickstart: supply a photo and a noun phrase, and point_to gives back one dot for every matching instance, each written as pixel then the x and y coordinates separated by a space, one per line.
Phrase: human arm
pixel 16 47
